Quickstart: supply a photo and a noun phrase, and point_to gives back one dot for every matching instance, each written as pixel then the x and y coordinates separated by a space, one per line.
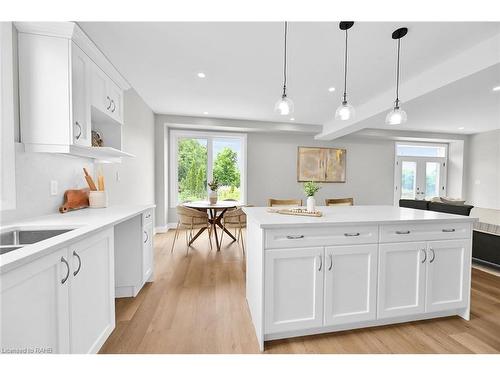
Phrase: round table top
pixel 207 205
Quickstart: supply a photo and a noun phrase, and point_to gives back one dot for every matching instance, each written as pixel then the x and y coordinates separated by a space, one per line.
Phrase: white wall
pixel 272 169
pixel 483 170
pixel 136 176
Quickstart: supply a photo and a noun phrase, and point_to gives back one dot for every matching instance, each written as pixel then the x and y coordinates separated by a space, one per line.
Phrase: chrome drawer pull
pixel 448 230
pixel 433 255
pixel 402 232
pixel 67 270
pixel 351 234
pixel 295 236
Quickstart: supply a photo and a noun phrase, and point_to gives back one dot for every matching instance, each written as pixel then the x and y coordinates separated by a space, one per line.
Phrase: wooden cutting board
pixel 75 200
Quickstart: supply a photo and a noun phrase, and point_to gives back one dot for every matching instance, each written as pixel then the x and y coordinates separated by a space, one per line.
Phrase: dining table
pixel 215 213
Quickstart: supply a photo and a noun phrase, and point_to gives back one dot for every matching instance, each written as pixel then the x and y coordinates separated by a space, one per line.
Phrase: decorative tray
pixel 295 211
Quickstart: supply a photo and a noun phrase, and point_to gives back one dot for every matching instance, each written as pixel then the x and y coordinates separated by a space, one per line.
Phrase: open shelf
pixel 100 154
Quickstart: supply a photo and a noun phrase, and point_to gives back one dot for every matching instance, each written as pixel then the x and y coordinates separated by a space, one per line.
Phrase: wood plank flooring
pixel 196 304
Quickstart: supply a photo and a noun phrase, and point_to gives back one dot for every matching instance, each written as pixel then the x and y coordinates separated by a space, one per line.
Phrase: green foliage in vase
pixel 311 188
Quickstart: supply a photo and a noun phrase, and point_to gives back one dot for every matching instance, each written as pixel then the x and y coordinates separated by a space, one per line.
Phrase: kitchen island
pixel 354 267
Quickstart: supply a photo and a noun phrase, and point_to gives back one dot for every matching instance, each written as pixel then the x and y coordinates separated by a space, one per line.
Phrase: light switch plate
pixel 53 187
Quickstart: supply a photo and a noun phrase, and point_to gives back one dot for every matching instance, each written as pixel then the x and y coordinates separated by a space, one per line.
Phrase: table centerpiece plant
pixel 214 186
pixel 311 188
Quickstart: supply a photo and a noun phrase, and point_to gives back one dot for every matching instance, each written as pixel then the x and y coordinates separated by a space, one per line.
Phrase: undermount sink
pixel 16 238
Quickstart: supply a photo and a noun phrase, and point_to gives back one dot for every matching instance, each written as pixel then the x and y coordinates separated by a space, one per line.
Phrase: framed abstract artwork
pixel 321 164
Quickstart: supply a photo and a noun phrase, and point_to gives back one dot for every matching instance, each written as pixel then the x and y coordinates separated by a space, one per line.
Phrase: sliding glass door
pixel 200 157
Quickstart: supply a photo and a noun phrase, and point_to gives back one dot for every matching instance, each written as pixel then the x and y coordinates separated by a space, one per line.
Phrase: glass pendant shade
pixel 396 117
pixel 284 106
pixel 344 112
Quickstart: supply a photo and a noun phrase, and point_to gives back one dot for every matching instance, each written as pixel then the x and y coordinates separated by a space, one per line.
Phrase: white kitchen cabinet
pixel 147 252
pixel 350 283
pixel 67 88
pixel 34 305
pixel 293 289
pixel 401 279
pixel 80 76
pixel 92 291
pixel 447 276
pixel 106 96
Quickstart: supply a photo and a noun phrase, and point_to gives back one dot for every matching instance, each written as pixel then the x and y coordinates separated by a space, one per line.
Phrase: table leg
pixel 197 235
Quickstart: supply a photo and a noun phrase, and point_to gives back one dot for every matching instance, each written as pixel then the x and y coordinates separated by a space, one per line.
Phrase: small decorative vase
pixel 212 197
pixel 311 204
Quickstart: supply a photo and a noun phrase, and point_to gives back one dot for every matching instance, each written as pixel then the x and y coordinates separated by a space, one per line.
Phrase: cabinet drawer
pixel 321 236
pixel 424 232
pixel 147 217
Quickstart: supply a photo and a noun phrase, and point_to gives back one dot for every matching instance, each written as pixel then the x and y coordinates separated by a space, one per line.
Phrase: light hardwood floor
pixel 197 305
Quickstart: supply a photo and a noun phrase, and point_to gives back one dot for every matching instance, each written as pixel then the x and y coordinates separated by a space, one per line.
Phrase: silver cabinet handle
pixel 433 256
pixel 114 106
pixel 295 236
pixel 402 232
pixel 109 99
pixel 79 263
pixel 147 237
pixel 79 130
pixel 320 263
pixel 351 234
pixel 67 270
pixel 449 230
pixel 331 262
pixel 425 255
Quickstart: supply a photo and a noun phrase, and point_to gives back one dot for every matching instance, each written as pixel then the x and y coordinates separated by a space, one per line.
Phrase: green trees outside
pixel 192 171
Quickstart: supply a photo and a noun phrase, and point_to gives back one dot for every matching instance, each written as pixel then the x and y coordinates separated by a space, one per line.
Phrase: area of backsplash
pixel 34 173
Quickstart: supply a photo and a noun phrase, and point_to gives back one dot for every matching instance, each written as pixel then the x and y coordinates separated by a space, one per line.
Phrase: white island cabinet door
pixel 350 283
pixel 293 289
pixel 401 280
pixel 92 304
pixel 34 306
pixel 448 273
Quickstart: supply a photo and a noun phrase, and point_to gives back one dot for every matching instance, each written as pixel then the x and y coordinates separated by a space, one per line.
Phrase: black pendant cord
pixel 397 76
pixel 284 61
pixel 345 70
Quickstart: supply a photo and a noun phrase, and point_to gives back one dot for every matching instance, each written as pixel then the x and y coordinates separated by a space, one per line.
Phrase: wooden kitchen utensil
pixel 75 200
pixel 89 179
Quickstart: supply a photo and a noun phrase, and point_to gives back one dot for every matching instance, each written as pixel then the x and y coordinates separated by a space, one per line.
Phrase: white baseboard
pixel 165 228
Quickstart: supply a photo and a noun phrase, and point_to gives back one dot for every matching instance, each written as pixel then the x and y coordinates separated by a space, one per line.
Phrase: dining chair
pixel 339 202
pixel 284 202
pixel 189 219
pixel 235 219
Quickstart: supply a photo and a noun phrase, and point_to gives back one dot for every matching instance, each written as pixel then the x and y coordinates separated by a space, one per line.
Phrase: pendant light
pixel 284 106
pixel 397 116
pixel 345 111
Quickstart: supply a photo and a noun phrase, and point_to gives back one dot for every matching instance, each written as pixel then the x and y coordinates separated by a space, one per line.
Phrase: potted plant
pixel 311 188
pixel 212 197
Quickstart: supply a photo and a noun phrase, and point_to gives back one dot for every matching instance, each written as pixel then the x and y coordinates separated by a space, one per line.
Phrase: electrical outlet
pixel 53 187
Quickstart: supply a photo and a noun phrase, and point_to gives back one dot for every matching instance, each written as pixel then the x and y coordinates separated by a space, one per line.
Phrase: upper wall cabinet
pixel 67 90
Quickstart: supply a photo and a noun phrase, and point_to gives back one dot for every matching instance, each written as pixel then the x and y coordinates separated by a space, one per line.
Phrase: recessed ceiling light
pixel 205 113
pixel 496 88
pixel 292 119
pixel 461 128
pixel 331 89
pixel 201 75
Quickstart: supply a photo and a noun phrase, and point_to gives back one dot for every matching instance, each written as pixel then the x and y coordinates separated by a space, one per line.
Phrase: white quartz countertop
pixel 84 221
pixel 340 215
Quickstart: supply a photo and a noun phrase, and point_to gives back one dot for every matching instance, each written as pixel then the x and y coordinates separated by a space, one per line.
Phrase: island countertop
pixel 340 215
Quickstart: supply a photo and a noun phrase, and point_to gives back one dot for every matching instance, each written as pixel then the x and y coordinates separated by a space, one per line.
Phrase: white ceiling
pixel 469 103
pixel 243 63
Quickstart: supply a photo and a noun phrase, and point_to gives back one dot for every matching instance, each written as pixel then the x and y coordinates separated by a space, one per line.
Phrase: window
pixel 420 171
pixel 197 158
pixel 7 167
